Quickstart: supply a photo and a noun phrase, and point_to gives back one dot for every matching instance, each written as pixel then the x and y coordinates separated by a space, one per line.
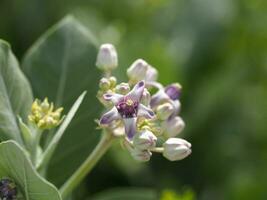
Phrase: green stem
pixel 87 165
pixel 35 145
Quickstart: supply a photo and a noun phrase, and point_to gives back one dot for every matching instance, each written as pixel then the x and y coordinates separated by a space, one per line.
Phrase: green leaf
pixel 27 135
pixel 54 142
pixel 15 94
pixel 129 194
pixel 14 164
pixel 61 64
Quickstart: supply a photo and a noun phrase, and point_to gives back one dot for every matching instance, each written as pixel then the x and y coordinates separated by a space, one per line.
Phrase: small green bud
pixel 104 84
pixel 43 114
pixel 113 81
pixel 122 88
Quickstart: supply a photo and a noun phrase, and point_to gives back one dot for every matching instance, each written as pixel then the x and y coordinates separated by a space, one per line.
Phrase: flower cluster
pixel 43 114
pixel 8 189
pixel 141 117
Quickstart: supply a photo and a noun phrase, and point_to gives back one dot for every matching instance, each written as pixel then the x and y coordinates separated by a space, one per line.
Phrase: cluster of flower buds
pixel 136 114
pixel 8 189
pixel 43 114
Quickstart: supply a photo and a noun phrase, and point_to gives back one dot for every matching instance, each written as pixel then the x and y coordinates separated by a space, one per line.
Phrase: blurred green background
pixel 217 49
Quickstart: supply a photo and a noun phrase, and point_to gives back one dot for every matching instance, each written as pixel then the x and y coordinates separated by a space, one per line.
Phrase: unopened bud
pixel 141 155
pixel 144 140
pixel 165 110
pixel 107 58
pixel 151 74
pixel 176 149
pixel 146 97
pixel 8 189
pixel 173 91
pixel 104 84
pixel 137 71
pixel 122 88
pixel 113 81
pixel 43 114
pixel 173 126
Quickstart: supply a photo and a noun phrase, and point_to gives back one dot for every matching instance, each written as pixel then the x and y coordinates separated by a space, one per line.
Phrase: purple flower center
pixel 173 92
pixel 127 108
pixel 8 189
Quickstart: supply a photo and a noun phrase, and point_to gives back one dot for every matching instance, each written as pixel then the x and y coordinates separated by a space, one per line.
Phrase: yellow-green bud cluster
pixel 43 114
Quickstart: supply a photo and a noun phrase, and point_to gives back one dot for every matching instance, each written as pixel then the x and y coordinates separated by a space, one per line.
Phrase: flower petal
pixel 130 127
pixel 137 92
pixel 110 116
pixel 158 98
pixel 145 112
pixel 113 97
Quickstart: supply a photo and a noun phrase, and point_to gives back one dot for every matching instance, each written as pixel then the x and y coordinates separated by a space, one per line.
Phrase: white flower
pixel 165 110
pixel 141 155
pixel 176 149
pixel 151 74
pixel 144 140
pixel 107 58
pixel 137 71
pixel 127 108
pixel 173 126
pixel 170 93
pixel 146 98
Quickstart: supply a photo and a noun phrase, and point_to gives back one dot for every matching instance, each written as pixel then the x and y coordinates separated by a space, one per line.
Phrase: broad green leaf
pixel 15 164
pixel 129 194
pixel 61 64
pixel 58 135
pixel 15 94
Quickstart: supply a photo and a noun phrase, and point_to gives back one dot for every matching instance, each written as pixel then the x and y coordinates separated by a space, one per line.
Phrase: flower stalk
pixel 86 167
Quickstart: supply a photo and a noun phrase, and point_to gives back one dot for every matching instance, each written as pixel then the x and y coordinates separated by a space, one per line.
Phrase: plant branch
pixel 88 164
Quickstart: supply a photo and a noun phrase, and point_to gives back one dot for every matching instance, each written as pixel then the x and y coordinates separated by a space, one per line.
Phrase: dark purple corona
pixel 127 108
pixel 8 190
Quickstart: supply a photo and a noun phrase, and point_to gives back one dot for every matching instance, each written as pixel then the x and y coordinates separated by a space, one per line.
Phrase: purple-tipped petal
pixel 137 92
pixel 110 116
pixel 173 91
pixel 130 127
pixel 145 112
pixel 113 97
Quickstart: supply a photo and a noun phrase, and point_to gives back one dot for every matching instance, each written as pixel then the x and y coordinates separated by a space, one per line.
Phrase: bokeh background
pixel 217 49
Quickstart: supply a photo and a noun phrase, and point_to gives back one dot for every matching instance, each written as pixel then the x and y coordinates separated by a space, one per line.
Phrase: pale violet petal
pixel 130 127
pixel 113 97
pixel 145 112
pixel 137 92
pixel 110 116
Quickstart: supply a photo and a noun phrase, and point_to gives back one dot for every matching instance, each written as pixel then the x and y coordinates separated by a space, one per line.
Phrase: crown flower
pixel 127 108
pixel 146 121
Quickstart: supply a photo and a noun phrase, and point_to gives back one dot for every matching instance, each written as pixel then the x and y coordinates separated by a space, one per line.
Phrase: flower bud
pixel 8 189
pixel 151 74
pixel 165 110
pixel 43 114
pixel 122 88
pixel 144 140
pixel 113 81
pixel 141 155
pixel 137 71
pixel 104 84
pixel 146 97
pixel 173 126
pixel 176 149
pixel 173 91
pixel 107 58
